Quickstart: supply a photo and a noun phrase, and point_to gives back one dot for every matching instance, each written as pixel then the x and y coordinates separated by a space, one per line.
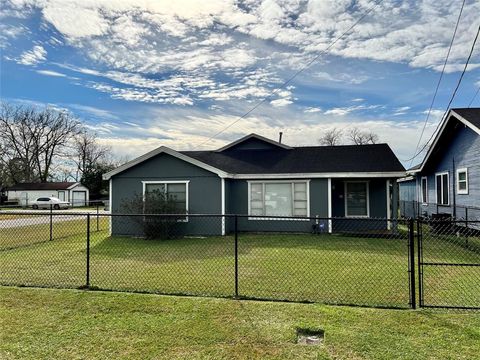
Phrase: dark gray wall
pixel 204 195
pixel 377 188
pixel 237 195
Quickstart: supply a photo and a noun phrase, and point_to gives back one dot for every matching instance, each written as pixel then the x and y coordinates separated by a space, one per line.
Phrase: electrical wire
pixel 451 98
pixel 290 79
pixel 474 96
pixel 438 82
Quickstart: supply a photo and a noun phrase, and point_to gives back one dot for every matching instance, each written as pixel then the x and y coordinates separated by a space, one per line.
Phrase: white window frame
pixel 436 188
pixel 368 199
pixel 292 182
pixel 157 182
pixel 424 201
pixel 462 192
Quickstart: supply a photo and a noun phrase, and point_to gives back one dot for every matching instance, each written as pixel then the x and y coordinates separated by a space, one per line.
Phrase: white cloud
pixel 34 56
pixel 50 73
pixel 281 102
pixel 312 110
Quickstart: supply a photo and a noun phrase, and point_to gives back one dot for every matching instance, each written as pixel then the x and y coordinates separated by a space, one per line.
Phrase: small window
pixel 462 181
pixel 424 188
pixel 442 185
pixel 356 199
pixel 177 192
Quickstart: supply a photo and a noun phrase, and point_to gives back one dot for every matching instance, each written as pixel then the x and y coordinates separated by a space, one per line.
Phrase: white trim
pixel 389 205
pixel 166 150
pixel 223 205
pixel 319 175
pixel 329 202
pixel 292 182
pixel 448 187
pixel 368 199
pixel 73 186
pixel 439 133
pixel 110 204
pixel 407 178
pixel 253 136
pixel 421 190
pixel 186 182
pixel 462 192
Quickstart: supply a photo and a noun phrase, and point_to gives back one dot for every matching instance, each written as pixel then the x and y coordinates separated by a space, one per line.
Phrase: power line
pixel 451 98
pixel 290 79
pixel 438 82
pixel 474 96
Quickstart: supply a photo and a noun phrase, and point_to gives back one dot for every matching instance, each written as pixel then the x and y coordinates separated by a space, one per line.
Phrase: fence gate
pixel 449 263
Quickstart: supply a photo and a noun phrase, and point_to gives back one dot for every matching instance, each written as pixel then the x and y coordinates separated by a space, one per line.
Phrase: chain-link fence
pixel 344 261
pixel 449 263
pixel 358 261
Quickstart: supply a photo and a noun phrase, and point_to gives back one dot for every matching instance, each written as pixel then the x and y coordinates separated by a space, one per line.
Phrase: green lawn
pixel 71 324
pixel 321 268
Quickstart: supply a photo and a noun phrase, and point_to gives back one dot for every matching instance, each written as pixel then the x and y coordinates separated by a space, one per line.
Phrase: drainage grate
pixel 310 336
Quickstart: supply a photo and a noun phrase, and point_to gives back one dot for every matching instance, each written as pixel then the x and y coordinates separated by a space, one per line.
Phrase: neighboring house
pixel 257 176
pixel 448 179
pixel 25 193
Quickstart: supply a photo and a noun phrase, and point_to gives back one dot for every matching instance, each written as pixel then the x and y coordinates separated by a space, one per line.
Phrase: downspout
pixel 454 199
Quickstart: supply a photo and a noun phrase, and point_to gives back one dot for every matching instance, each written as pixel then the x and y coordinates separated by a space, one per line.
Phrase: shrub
pixel 153 204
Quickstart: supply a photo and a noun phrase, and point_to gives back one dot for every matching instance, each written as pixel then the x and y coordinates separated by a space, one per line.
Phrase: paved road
pixel 36 217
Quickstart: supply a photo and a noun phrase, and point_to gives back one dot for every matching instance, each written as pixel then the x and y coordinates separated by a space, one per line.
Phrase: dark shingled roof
pixel 41 186
pixel 308 159
pixel 472 115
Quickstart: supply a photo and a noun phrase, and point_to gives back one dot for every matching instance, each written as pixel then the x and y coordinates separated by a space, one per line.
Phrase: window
pixel 176 191
pixel 462 181
pixel 278 198
pixel 442 185
pixel 424 189
pixel 357 199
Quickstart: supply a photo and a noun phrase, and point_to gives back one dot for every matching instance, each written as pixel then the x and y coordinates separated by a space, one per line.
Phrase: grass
pixel 298 267
pixel 61 324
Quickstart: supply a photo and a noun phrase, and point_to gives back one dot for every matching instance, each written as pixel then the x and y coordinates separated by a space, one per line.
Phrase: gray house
pixel 448 179
pixel 256 176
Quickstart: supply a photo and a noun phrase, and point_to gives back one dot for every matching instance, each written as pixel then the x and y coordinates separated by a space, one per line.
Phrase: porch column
pixel 389 205
pixel 223 206
pixel 329 196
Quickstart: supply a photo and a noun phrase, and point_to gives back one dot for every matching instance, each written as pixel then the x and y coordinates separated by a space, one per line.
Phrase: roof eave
pixel 165 150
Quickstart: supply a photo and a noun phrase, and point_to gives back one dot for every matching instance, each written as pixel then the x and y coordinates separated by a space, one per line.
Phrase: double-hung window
pixel 424 189
pixel 442 188
pixel 278 198
pixel 357 199
pixel 175 191
pixel 462 181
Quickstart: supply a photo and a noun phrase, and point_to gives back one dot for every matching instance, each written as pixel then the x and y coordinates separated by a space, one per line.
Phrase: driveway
pixel 23 217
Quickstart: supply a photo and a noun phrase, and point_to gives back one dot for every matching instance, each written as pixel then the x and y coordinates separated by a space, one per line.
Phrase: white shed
pixel 73 192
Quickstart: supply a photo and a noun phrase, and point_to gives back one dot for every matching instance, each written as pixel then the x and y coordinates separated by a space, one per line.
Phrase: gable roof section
pixel 468 116
pixel 43 186
pixel 346 159
pixel 164 150
pixel 310 161
pixel 250 137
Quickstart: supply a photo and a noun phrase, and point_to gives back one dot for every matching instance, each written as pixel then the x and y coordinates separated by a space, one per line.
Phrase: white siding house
pixel 25 193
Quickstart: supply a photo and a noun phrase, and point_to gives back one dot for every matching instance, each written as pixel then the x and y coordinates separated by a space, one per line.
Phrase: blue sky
pixel 147 73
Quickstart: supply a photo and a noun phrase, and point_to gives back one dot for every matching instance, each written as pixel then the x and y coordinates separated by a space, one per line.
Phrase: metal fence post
pixel 411 247
pixel 236 255
pixel 97 214
pixel 420 261
pixel 51 222
pixel 87 281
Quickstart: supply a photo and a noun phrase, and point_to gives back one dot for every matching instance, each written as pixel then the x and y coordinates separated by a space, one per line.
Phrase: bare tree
pixel 88 152
pixel 33 139
pixel 331 137
pixel 359 137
